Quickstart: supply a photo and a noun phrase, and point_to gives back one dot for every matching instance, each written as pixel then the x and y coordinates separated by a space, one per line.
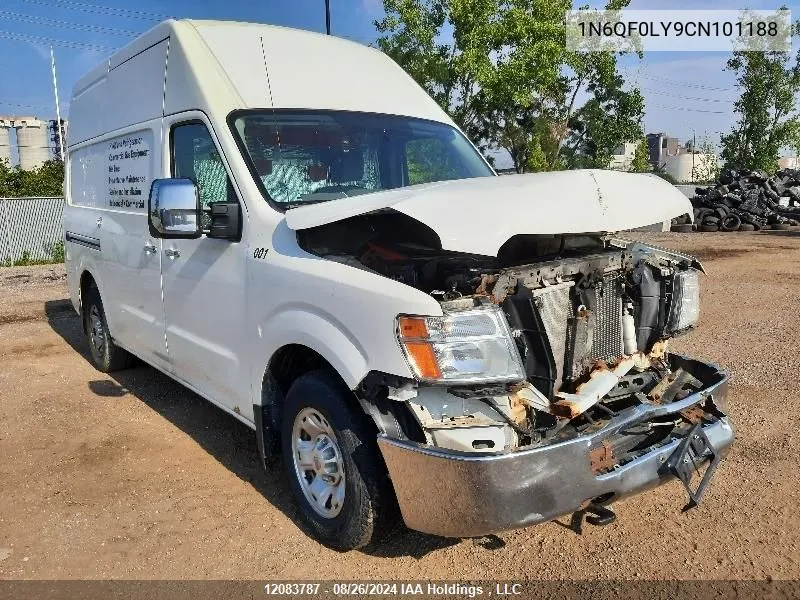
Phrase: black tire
pixel 106 355
pixel 682 228
pixel 368 507
pixel 746 227
pixel 709 228
pixel 731 222
pixel 781 227
pixel 703 214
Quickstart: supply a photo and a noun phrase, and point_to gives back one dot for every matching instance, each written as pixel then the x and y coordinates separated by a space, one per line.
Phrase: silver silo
pixel 33 141
pixel 5 141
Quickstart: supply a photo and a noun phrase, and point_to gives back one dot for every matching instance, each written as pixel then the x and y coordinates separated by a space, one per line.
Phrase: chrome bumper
pixel 457 494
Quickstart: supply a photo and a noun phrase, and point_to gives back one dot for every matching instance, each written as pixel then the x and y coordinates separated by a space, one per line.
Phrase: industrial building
pixel 667 154
pixel 662 147
pixel 36 141
pixel 622 159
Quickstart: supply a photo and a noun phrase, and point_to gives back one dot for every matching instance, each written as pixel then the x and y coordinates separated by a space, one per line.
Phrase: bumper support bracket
pixel 684 463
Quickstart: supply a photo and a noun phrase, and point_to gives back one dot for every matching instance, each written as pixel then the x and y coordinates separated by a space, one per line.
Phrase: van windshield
pixel 302 157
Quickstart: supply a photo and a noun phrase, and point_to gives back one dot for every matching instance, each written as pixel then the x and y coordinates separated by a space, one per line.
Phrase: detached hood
pixel 479 215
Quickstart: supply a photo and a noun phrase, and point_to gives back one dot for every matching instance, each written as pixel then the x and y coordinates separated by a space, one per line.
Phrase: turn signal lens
pixel 413 328
pixel 423 359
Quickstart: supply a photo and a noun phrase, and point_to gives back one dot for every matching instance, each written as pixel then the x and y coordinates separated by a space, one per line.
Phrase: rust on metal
pixel 602 379
pixel 601 458
pixel 564 409
pixel 659 349
pixel 657 393
pixel 518 412
pixel 693 414
pixel 487 281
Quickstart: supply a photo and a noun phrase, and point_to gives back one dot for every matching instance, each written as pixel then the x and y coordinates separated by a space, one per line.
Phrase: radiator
pixel 607 342
pixel 556 307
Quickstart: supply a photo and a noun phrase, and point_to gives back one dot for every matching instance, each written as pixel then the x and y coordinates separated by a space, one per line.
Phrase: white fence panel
pixel 29 228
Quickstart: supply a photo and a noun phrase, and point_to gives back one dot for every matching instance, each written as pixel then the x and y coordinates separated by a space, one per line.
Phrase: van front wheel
pixel 106 355
pixel 334 465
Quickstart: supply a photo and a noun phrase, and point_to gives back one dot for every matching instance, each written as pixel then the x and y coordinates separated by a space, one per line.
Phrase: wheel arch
pixel 286 364
pixel 87 281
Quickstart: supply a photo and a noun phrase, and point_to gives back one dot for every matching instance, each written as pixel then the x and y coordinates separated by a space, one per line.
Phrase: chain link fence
pixel 30 230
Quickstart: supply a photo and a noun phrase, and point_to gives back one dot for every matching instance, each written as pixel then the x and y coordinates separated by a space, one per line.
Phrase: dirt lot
pixel 133 476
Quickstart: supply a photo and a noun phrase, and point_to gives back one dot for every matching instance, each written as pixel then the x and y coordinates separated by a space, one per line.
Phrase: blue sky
pixel 683 91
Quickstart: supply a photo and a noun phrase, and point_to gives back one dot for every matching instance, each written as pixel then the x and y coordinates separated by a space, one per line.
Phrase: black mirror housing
pixel 225 221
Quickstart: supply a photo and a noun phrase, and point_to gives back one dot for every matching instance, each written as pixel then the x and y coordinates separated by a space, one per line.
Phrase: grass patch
pixel 55 254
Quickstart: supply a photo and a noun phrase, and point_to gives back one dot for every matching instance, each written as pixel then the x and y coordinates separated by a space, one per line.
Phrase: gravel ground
pixel 134 477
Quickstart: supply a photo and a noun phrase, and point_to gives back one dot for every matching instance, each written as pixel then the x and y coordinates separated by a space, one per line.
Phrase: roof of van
pixel 268 66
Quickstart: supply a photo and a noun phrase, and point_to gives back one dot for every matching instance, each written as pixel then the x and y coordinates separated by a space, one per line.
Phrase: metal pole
pixel 694 151
pixel 58 108
pixel 328 17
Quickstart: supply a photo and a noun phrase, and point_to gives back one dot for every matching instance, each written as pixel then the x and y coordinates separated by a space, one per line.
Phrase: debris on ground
pixel 744 200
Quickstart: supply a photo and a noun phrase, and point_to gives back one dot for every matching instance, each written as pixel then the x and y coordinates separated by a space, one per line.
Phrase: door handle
pixel 149 248
pixel 172 252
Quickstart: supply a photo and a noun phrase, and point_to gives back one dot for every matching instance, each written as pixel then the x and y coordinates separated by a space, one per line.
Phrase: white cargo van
pixel 288 225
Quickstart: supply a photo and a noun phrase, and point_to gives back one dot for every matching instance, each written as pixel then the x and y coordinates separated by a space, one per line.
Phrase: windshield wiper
pixel 296 203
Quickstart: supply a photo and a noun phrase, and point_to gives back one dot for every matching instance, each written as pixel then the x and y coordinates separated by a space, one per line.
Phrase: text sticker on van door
pixel 130 170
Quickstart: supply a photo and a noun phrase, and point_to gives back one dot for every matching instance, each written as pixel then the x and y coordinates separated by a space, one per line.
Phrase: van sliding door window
pixel 195 156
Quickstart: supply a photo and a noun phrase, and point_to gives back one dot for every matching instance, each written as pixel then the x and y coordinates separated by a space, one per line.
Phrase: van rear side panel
pixel 132 92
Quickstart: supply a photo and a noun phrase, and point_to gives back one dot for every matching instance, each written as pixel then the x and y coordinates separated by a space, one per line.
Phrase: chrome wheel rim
pixel 97 333
pixel 318 464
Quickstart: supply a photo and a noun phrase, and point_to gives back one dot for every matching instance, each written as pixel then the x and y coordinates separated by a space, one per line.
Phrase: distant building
pixel 679 161
pixel 35 141
pixel 789 162
pixel 57 138
pixel 622 158
pixel 662 147
pixel 5 139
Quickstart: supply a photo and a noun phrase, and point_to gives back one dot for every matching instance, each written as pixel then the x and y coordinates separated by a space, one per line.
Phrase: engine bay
pixel 590 315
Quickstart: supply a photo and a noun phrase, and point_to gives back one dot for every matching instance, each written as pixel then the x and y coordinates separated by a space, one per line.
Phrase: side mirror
pixel 174 209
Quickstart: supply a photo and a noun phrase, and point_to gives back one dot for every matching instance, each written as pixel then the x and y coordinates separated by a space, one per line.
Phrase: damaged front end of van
pixel 546 385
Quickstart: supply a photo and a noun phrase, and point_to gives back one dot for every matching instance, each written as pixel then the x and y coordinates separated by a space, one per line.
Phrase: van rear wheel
pixel 106 355
pixel 334 465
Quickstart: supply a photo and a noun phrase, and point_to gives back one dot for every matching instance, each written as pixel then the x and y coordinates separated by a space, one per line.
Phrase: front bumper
pixel 459 494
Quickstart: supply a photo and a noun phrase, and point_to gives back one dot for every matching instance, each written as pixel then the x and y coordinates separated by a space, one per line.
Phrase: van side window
pixel 195 156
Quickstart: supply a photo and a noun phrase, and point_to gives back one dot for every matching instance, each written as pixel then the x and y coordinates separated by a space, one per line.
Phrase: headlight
pixel 461 347
pixel 685 307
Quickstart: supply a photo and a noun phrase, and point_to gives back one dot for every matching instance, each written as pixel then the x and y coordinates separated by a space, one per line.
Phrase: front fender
pixel 308 326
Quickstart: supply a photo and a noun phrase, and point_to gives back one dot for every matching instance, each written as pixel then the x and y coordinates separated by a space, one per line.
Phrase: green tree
pixel 46 180
pixel 458 48
pixel 500 68
pixel 641 158
pixel 610 117
pixel 768 82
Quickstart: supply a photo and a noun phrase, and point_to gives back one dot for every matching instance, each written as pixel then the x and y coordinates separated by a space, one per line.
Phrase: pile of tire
pixel 743 200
